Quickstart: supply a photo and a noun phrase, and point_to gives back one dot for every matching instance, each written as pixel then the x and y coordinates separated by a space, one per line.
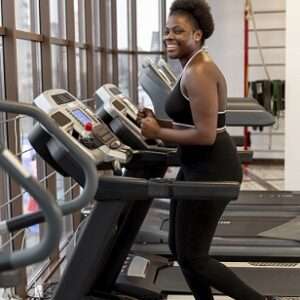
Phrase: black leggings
pixel 192 226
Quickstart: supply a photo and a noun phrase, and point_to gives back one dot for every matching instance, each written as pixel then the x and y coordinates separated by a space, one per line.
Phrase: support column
pixel 292 97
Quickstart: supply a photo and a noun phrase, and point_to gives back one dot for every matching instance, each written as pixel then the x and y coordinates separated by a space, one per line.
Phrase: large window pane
pixel 168 5
pixel 148 35
pixel 124 74
pixel 96 22
pixel 59 67
pixel 26 62
pixel 109 68
pixel 27 15
pixel 122 24
pixel 97 61
pixel 81 73
pixel 58 18
pixel 79 10
pixel 108 23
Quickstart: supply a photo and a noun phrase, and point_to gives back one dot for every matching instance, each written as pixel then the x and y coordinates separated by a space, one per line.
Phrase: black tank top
pixel 179 110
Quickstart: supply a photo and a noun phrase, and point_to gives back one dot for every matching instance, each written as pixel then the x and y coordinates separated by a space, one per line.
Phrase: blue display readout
pixel 82 117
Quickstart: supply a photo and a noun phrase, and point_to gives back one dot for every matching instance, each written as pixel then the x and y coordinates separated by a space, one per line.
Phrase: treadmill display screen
pixel 63 98
pixel 82 117
pixel 118 105
pixel 115 91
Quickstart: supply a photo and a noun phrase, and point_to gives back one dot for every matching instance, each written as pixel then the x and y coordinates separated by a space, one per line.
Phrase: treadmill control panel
pixel 75 118
pixel 111 102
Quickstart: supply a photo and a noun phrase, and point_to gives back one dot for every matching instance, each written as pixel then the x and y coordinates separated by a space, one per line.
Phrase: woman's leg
pixel 203 291
pixel 196 222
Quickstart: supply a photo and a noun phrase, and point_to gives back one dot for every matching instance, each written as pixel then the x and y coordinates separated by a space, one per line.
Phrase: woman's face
pixel 181 38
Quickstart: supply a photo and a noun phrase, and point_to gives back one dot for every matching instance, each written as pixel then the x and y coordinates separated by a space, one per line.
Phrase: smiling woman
pixel 205 149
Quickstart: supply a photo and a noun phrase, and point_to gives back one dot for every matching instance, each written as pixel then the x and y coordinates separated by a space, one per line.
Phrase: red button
pixel 88 126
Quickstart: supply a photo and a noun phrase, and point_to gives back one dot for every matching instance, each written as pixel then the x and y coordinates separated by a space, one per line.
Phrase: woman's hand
pixel 143 113
pixel 150 128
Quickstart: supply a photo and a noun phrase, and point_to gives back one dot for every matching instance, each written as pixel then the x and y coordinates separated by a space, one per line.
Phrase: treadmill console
pixel 74 117
pixel 121 114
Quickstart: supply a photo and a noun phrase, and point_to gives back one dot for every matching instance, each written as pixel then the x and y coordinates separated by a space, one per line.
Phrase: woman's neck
pixel 185 60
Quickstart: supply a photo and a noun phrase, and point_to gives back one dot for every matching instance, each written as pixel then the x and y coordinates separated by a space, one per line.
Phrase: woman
pixel 205 149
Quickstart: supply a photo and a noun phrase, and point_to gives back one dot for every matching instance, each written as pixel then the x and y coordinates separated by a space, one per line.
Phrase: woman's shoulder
pixel 202 66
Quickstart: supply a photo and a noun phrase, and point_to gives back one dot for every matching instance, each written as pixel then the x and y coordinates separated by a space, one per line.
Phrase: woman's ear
pixel 198 35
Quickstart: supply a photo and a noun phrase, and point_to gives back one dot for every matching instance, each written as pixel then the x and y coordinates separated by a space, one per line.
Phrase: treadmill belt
pixel 282 280
pixel 289 231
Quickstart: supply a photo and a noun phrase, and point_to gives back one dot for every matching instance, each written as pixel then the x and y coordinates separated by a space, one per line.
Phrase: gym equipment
pixel 244 219
pixel 120 114
pixel 11 262
pixel 158 80
pixel 118 213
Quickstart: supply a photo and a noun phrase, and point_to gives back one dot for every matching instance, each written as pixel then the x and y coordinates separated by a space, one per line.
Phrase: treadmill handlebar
pixel 75 149
pixel 49 207
pixel 116 188
pixel 127 188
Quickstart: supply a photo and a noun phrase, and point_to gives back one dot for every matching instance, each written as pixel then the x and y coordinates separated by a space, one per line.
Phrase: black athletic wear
pixel 193 223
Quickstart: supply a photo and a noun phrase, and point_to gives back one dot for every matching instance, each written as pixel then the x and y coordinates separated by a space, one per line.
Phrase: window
pixel 168 5
pixel 148 35
pixel 122 24
pixel 109 59
pixel 96 23
pixel 79 11
pixel 124 75
pixel 26 59
pixel 81 73
pixel 27 15
pixel 97 61
pixel 108 23
pixel 58 18
pixel 59 67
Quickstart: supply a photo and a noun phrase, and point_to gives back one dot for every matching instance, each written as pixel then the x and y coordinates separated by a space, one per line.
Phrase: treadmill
pixel 100 265
pixel 269 265
pixel 244 222
pixel 158 79
pixel 121 202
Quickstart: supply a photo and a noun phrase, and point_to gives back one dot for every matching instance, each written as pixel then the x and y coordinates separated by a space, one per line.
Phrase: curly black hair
pixel 200 12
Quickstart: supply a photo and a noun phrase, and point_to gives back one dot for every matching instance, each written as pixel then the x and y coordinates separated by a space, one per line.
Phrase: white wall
pixel 292 150
pixel 226 45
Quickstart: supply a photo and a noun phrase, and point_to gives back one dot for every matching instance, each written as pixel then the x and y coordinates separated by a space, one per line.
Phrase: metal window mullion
pixel 115 68
pixel 90 50
pixel 46 46
pixel 133 88
pixel 103 41
pixel 71 52
pixel 35 57
pixel 46 67
pixel 163 23
pixel 72 82
pixel 11 90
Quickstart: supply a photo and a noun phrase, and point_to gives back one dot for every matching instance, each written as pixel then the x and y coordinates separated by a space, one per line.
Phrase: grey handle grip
pixel 48 205
pixel 75 149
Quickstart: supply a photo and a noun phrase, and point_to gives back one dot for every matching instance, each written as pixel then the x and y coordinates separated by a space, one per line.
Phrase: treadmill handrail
pixel 117 188
pixel 49 207
pixel 75 149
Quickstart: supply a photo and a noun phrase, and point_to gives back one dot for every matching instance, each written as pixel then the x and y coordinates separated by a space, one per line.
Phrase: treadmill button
pixel 115 144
